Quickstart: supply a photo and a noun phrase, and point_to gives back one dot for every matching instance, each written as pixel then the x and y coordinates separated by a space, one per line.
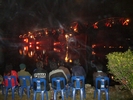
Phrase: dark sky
pixel 20 16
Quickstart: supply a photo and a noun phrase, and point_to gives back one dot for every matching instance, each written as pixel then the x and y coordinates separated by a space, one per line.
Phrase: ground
pixel 114 94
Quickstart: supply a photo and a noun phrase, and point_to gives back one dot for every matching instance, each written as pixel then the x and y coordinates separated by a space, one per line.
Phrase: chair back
pixel 102 83
pixel 58 83
pixel 78 81
pixel 9 79
pixel 24 79
pixel 39 85
pixel 40 82
pixel 11 83
pixel 25 82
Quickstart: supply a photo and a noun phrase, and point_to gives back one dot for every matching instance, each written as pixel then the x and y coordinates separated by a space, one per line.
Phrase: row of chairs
pixel 77 83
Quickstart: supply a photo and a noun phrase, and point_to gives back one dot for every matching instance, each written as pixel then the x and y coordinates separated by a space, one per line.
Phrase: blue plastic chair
pixel 78 83
pixel 39 82
pixel 24 85
pixel 104 87
pixel 9 78
pixel 56 85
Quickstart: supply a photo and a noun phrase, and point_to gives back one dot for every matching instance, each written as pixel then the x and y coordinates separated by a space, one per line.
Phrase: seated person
pixel 56 72
pixel 77 69
pixel 98 73
pixel 66 71
pixel 39 72
pixel 23 72
pixel 10 72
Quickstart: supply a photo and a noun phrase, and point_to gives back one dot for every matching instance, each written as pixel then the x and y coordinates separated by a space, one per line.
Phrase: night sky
pixel 20 16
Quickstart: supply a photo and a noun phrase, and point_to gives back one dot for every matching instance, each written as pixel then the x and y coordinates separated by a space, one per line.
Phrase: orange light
pixel 120 46
pixel 108 24
pixel 70 60
pixel 110 47
pixel 93 53
pixel 31 36
pixel 37 47
pixel 95 25
pixel 66 36
pixel 66 59
pixel 25 48
pixel 30 42
pixel 31 53
pixel 30 46
pixel 70 34
pixel 94 45
pixel 75 29
pixel 46 32
pixel 56 50
pixel 20 52
pixel 37 42
pixel 126 22
pixel 26 40
pixel 56 43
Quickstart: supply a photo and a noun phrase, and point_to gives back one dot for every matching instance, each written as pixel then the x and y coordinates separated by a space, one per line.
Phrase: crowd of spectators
pixel 57 69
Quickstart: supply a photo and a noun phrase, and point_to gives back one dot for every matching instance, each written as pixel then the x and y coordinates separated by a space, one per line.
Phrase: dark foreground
pixel 114 94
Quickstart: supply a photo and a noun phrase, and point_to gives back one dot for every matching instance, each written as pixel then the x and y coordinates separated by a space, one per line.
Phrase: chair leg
pixel 107 95
pixel 55 93
pixel 46 95
pixel 81 94
pixel 99 95
pixel 28 92
pixel 6 93
pixel 34 96
pixel 13 90
pixel 74 91
pixel 42 95
pixel 20 92
pixel 62 94
pixel 84 93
